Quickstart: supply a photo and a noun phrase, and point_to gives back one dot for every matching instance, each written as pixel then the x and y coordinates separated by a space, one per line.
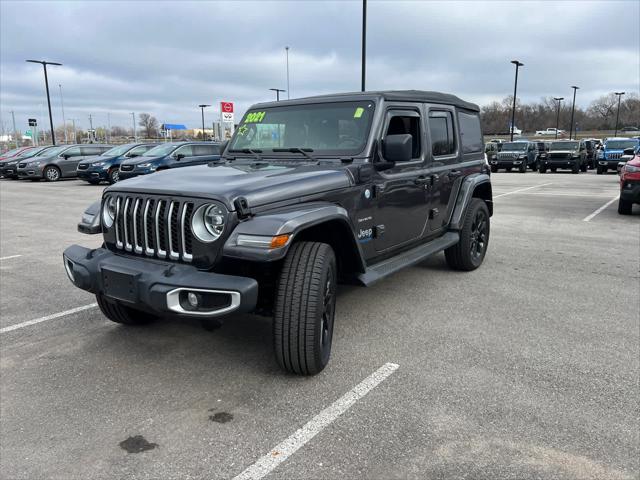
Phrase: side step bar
pixel 410 257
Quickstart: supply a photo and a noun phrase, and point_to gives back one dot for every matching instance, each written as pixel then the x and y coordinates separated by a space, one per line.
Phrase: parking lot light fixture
pixel 288 87
pixel 573 109
pixel 518 64
pixel 46 84
pixel 135 136
pixel 277 90
pixel 558 99
pixel 619 94
pixel 202 107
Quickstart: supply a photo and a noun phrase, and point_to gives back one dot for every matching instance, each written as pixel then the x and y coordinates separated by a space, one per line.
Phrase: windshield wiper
pixel 256 153
pixel 303 151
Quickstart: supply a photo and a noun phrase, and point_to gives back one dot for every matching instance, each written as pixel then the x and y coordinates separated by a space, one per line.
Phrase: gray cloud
pixel 166 57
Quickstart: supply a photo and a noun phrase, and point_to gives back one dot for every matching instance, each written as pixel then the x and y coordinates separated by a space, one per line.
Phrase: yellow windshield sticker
pixel 254 117
pixel 358 113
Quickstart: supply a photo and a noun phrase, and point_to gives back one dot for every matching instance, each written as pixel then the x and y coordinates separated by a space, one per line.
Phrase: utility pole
pixel 108 127
pixel 75 132
pixel 288 87
pixel 573 108
pixel 46 84
pixel 515 91
pixel 558 99
pixel 202 107
pixel 135 136
pixel 277 90
pixel 15 132
pixel 364 44
pixel 92 134
pixel 619 94
pixel 64 121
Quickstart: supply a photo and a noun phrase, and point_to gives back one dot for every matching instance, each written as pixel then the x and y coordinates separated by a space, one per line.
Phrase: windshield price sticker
pixel 358 113
pixel 255 117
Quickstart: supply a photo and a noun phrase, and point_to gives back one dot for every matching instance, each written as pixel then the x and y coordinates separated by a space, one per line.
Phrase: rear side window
pixel 199 150
pixel 470 132
pixel 443 141
pixel 93 150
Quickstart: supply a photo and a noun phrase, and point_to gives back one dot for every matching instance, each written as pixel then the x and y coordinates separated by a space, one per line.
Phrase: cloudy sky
pixel 166 57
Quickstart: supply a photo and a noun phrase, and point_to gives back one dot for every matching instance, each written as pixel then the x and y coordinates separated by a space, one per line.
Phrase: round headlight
pixel 207 222
pixel 109 212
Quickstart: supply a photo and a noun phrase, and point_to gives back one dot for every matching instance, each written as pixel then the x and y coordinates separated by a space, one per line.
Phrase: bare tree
pixel 150 125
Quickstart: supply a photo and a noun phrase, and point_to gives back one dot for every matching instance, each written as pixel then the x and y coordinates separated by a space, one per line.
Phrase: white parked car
pixel 549 131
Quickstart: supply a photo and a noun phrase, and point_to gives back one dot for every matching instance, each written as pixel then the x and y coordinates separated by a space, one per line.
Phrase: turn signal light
pixel 279 241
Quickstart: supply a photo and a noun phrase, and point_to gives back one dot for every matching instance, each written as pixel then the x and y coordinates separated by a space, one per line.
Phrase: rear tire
pixel 554 169
pixel 624 207
pixel 51 174
pixel 469 252
pixel 575 168
pixel 583 167
pixel 599 170
pixel 116 312
pixel 305 308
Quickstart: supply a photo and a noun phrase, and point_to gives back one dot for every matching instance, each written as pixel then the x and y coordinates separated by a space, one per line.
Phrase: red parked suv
pixel 629 185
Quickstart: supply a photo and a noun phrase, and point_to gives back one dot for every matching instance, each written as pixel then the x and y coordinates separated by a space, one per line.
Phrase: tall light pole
pixel 515 91
pixel 64 121
pixel 364 44
pixel 135 136
pixel 15 132
pixel 619 94
pixel 75 132
pixel 202 107
pixel 558 99
pixel 92 133
pixel 46 84
pixel 573 108
pixel 288 87
pixel 277 90
pixel 108 127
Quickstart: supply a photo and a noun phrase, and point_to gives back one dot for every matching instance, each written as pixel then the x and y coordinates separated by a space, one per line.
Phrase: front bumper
pixel 612 164
pixel 630 191
pixel 93 173
pixel 559 163
pixel 155 286
pixel 507 163
pixel 30 172
pixel 124 174
pixel 9 171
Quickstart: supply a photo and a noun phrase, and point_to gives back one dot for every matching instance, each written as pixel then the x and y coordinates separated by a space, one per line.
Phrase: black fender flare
pixel 90 221
pixel 466 193
pixel 293 220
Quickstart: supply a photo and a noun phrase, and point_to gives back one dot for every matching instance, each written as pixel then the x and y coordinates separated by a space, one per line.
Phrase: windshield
pixel 160 150
pixel 325 128
pixel 117 151
pixel 51 151
pixel 620 144
pixel 564 146
pixel 10 152
pixel 514 147
pixel 32 152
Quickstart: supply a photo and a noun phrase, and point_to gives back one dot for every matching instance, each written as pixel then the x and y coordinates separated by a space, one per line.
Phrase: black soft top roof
pixel 391 95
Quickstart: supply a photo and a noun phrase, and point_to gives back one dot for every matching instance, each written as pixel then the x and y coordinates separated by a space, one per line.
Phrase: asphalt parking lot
pixel 525 368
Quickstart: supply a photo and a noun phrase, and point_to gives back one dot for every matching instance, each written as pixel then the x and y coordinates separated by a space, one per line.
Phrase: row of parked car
pixel 575 155
pixel 96 163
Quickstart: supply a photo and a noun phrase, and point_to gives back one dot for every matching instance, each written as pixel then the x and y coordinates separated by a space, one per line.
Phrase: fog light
pixel 193 299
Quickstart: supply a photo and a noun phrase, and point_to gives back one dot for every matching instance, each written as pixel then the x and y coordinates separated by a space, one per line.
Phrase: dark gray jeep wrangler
pixel 308 193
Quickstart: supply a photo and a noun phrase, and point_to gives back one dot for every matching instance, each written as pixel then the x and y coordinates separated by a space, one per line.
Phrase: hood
pixel 141 159
pixel 100 158
pixel 226 182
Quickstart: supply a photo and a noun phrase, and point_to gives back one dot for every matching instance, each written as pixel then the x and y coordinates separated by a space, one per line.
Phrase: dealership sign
pixel 226 112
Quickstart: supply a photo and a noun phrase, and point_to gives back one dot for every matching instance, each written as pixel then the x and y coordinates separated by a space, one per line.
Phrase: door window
pixel 186 150
pixel 137 151
pixel 470 132
pixel 400 124
pixel 443 141
pixel 71 152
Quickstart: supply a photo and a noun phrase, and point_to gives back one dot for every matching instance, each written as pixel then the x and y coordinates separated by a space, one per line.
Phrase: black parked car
pixel 566 154
pixel 309 192
pixel 170 155
pixel 59 162
pixel 106 167
pixel 520 154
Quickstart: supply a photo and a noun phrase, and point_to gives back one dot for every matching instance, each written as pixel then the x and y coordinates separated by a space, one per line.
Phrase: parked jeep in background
pixel 309 192
pixel 610 155
pixel 565 154
pixel 170 155
pixel 58 162
pixel 520 154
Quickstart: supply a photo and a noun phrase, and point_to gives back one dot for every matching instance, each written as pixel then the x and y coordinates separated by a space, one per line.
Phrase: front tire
pixel 583 167
pixel 522 168
pixel 469 252
pixel 51 174
pixel 624 207
pixel 494 169
pixel 305 308
pixel 114 175
pixel 116 312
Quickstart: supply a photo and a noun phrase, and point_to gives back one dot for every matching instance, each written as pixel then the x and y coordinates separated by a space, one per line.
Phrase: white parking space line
pixel 28 323
pixel 10 257
pixel 590 217
pixel 288 447
pixel 521 190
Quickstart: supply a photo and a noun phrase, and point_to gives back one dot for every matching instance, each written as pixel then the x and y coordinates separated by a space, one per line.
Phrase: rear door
pixel 400 192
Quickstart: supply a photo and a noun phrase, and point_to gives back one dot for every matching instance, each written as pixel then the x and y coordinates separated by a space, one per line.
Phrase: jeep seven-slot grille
pixel 614 156
pixel 154 227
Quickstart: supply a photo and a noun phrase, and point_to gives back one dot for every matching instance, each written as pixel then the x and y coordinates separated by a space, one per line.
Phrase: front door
pixel 401 192
pixel 69 161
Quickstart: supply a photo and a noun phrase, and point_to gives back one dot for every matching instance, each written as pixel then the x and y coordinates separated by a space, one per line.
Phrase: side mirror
pixel 133 155
pixel 629 151
pixel 180 156
pixel 66 156
pixel 397 148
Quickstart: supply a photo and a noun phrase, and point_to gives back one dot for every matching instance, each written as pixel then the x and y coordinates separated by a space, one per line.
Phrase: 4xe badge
pixel 365 234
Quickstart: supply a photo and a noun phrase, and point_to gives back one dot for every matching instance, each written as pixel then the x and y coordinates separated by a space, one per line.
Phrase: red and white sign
pixel 226 107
